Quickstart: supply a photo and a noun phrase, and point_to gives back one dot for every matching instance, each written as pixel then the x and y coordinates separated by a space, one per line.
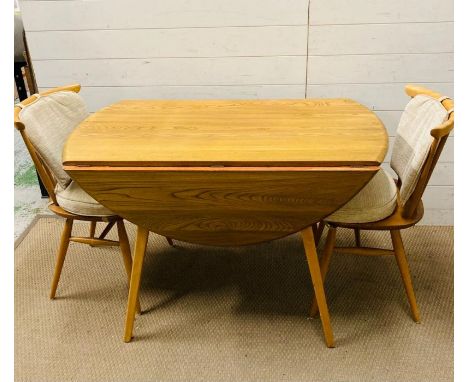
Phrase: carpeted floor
pixel 232 314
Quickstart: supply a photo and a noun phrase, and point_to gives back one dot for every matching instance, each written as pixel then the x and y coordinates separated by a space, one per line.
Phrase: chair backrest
pixel 422 132
pixel 45 121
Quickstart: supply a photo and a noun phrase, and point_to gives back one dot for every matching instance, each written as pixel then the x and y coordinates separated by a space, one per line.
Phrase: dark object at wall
pixel 23 62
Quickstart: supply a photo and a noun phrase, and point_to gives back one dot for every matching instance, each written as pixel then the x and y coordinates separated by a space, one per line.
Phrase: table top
pixel 243 133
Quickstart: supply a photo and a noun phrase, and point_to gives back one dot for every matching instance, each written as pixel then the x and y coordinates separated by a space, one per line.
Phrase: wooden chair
pixel 50 117
pixel 399 202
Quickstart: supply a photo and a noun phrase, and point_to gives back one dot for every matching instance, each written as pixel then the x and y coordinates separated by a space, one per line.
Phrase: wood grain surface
pixel 226 206
pixel 299 133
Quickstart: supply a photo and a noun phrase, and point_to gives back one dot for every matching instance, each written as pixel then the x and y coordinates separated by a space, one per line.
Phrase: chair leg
pixel 324 264
pixel 62 252
pixel 402 262
pixel 314 268
pixel 139 255
pixel 92 229
pixel 357 236
pixel 106 230
pixel 126 254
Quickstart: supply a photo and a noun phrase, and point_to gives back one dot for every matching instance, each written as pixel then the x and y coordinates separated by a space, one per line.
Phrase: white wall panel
pixel 439 196
pixel 436 216
pixel 182 42
pixel 359 69
pixel 381 38
pixel 173 71
pixel 379 11
pixel 124 14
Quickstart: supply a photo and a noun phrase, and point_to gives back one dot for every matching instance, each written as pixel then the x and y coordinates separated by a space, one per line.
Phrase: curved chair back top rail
pixel 440 134
pixel 43 169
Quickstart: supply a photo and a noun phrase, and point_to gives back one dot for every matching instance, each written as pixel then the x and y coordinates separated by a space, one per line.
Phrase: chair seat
pixel 75 200
pixel 376 201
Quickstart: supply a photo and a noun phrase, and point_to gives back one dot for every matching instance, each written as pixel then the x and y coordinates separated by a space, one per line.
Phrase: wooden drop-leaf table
pixel 226 172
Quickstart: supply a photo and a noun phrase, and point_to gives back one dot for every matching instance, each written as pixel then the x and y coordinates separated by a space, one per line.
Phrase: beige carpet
pixel 235 314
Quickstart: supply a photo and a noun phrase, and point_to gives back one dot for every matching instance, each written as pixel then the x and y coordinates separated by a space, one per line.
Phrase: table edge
pixel 72 168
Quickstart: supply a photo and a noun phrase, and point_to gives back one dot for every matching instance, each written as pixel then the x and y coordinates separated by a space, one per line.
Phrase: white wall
pixel 170 48
pixel 361 49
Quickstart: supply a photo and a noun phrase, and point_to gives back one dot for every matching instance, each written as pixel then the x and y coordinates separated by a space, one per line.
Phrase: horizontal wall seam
pixel 162 57
pixel 164 28
pixel 387 23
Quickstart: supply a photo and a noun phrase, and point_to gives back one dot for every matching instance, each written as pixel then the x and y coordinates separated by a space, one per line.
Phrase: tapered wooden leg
pixel 402 262
pixel 324 264
pixel 169 240
pixel 314 268
pixel 92 229
pixel 106 230
pixel 357 236
pixel 139 255
pixel 126 254
pixel 62 252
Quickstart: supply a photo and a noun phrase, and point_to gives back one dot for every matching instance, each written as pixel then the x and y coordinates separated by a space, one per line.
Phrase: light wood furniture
pixel 405 215
pixel 226 172
pixel 49 181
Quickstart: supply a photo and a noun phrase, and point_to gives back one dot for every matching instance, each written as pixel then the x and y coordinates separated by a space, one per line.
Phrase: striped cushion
pixel 376 201
pixel 49 121
pixel 75 200
pixel 414 140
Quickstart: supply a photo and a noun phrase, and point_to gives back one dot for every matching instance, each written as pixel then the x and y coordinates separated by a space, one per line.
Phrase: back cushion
pixel 414 140
pixel 49 121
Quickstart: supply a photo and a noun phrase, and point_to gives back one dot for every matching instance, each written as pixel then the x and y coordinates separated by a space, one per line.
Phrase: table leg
pixel 314 268
pixel 138 257
pixel 126 254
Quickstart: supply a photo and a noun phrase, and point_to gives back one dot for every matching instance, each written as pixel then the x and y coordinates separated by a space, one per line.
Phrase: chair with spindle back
pixel 389 205
pixel 45 121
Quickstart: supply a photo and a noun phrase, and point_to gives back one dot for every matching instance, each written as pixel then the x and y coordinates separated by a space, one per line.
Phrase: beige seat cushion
pixel 75 200
pixel 49 121
pixel 374 202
